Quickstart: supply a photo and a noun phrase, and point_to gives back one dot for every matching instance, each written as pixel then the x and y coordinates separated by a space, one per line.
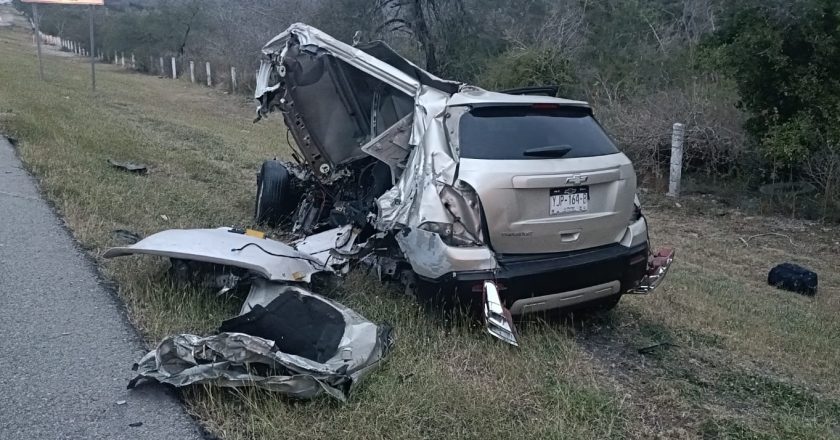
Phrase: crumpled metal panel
pixel 431 164
pixel 307 35
pixel 269 258
pixel 238 359
pixel 321 245
pixel 431 258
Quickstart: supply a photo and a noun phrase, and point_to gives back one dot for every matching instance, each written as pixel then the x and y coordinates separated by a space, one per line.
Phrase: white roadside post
pixel 192 71
pixel 209 77
pixel 232 79
pixel 133 62
pixel 122 60
pixel 174 71
pixel 675 177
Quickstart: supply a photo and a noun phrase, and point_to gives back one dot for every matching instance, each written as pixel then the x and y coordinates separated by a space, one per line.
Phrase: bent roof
pixel 475 95
pixel 382 51
pixel 380 60
pixel 396 70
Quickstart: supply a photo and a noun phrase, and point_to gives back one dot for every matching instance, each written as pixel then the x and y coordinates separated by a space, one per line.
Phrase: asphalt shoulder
pixel 66 346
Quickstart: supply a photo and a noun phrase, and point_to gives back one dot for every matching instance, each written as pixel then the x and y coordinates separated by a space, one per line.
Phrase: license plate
pixel 563 200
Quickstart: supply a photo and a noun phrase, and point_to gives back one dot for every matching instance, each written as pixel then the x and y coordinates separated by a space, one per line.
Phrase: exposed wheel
pixel 275 200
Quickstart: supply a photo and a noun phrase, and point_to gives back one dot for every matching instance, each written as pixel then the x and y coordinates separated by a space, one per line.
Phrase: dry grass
pixel 747 361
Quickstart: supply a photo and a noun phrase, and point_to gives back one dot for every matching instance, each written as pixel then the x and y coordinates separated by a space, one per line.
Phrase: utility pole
pixel 37 19
pixel 92 52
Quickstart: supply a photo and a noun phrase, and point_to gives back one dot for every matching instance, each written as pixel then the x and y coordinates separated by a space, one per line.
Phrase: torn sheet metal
pixel 497 318
pixel 431 164
pixel 406 80
pixel 235 359
pixel 129 166
pixel 391 147
pixel 327 246
pixel 268 258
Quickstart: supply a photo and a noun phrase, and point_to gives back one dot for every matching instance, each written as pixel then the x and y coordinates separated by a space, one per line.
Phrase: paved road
pixel 66 347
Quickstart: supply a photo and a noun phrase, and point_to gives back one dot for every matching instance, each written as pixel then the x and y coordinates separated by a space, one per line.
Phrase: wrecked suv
pixel 460 192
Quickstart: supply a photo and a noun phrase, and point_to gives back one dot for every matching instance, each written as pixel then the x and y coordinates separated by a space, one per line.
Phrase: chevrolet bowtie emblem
pixel 577 180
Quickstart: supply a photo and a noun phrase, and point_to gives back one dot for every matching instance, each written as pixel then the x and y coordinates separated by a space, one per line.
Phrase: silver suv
pixel 520 199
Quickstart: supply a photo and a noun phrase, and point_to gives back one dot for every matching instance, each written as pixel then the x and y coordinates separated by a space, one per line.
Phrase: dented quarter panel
pixel 635 234
pixel 431 258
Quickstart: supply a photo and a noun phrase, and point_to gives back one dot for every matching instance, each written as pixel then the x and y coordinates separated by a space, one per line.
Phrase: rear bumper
pixel 545 281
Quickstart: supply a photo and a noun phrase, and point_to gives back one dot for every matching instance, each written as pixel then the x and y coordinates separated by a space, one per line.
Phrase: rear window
pixel 510 132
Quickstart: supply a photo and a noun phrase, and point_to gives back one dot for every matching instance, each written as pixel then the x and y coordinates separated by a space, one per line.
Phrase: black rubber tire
pixel 275 200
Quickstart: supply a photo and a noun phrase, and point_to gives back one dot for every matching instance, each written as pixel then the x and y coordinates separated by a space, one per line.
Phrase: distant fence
pixel 226 77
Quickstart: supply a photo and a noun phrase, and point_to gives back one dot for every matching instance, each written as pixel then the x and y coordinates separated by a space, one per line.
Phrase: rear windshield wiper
pixel 550 151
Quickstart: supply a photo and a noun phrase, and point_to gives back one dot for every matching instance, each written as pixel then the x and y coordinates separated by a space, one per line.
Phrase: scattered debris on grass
pixel 746 241
pixel 285 339
pixel 124 236
pixel 129 166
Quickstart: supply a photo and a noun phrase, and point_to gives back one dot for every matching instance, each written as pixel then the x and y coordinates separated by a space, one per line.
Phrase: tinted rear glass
pixel 507 132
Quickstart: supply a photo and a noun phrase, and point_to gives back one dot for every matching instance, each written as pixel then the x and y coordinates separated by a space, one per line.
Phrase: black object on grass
pixel 793 277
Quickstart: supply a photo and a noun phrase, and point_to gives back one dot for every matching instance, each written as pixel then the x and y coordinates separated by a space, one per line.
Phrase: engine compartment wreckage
pixel 515 201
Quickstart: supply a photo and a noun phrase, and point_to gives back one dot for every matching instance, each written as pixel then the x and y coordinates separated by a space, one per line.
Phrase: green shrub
pixel 783 59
